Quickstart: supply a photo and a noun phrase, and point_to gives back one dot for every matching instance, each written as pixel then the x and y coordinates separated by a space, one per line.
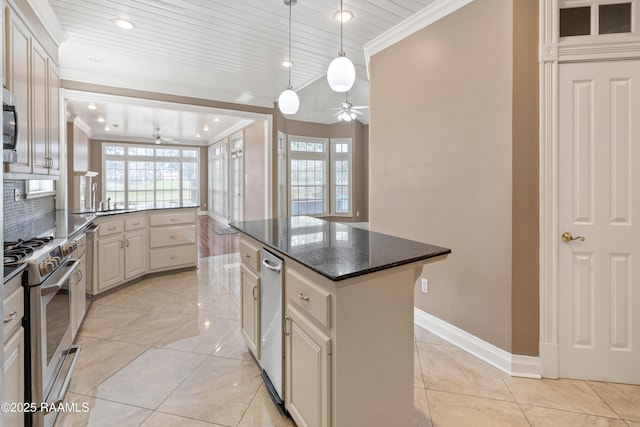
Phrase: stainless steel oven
pixel 51 355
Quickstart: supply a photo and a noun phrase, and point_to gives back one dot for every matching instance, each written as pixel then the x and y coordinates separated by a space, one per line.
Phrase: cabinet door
pixel 134 257
pixel 78 298
pixel 307 371
pixel 110 262
pixel 250 319
pixel 54 120
pixel 14 377
pixel 39 102
pixel 18 83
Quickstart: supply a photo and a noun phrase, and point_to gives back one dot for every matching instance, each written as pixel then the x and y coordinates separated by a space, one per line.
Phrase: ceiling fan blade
pixel 362 107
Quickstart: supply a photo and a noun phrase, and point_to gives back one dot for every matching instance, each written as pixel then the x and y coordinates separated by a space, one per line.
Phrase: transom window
pixel 139 176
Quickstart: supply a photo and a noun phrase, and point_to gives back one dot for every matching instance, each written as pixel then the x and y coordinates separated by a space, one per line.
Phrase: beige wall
pixel 442 153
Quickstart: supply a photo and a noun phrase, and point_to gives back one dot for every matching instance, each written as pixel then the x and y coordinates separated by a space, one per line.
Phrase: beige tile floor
pixel 167 351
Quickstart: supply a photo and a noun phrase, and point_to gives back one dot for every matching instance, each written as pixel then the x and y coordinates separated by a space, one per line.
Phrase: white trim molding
pixel 422 19
pixel 83 126
pixel 514 365
pixel 49 19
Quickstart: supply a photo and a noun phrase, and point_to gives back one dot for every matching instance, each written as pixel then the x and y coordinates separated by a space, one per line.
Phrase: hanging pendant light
pixel 288 101
pixel 341 73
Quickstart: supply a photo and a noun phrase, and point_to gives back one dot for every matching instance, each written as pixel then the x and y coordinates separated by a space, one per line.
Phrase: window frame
pixel 302 155
pixel 334 157
pixel 155 159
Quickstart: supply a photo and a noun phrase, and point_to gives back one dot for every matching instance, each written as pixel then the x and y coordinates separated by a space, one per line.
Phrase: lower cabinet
pixel 110 262
pixel 78 296
pixel 134 254
pixel 14 377
pixel 307 371
pixel 250 322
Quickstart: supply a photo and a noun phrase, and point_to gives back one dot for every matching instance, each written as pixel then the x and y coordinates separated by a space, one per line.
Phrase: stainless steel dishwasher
pixel 271 358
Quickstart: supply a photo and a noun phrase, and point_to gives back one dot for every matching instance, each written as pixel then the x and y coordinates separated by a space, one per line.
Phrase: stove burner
pixel 17 250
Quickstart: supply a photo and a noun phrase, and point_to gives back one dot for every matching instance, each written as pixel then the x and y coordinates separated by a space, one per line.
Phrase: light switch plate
pixel 425 286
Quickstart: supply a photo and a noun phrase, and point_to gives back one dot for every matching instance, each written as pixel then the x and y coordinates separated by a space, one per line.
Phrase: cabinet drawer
pixel 164 258
pixel 250 255
pixel 172 218
pixel 310 297
pixel 13 311
pixel 135 223
pixel 81 249
pixel 111 227
pixel 171 236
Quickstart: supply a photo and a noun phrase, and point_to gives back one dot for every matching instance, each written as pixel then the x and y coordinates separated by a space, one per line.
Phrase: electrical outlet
pixel 16 194
pixel 357 213
pixel 425 286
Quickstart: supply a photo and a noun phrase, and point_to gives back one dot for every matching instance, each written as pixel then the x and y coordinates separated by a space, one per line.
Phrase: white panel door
pixel 599 199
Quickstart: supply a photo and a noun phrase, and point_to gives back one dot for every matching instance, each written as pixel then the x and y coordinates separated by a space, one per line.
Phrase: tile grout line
pixel 515 399
pixel 603 400
pixel 244 413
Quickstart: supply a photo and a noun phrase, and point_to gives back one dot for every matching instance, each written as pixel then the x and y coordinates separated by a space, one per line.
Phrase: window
pixel 39 188
pixel 143 176
pixel 320 176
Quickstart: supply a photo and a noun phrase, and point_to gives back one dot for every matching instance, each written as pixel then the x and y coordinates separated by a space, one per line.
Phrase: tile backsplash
pixel 24 216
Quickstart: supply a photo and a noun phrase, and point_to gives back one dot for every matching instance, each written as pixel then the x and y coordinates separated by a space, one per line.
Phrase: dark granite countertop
pixel 336 250
pixel 129 210
pixel 67 225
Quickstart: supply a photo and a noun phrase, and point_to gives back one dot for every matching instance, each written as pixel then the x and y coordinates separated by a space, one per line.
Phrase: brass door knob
pixel 567 237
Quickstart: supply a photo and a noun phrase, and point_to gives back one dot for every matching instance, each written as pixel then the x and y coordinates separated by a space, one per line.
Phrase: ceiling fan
pixel 159 138
pixel 347 112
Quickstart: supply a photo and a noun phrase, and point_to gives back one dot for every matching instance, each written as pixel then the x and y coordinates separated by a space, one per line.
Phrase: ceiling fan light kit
pixel 341 74
pixel 288 101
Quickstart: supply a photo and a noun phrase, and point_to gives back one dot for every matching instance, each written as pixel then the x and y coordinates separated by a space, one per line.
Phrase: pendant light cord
pixel 290 61
pixel 341 19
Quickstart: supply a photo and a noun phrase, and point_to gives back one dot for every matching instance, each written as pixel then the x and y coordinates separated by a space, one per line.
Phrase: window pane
pixel 167 152
pixel 615 18
pixel 342 186
pixel 190 183
pixel 307 147
pixel 140 184
pixel 168 183
pixel 114 180
pixel 140 151
pixel 575 21
pixel 307 187
pixel 114 150
pixel 190 153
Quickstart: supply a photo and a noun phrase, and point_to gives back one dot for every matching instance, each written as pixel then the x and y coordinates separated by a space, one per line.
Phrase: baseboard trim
pixel 514 365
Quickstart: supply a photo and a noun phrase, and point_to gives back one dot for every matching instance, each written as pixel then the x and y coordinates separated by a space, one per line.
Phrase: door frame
pixel 553 52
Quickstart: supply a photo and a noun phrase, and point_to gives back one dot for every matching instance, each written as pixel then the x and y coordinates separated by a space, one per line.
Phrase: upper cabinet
pixel 32 77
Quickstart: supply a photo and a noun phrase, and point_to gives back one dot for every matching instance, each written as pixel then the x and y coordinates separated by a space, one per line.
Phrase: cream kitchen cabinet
pixel 33 79
pixel 110 262
pixel 250 294
pixel 79 284
pixel 135 247
pixel 172 240
pixel 13 354
pixel 307 370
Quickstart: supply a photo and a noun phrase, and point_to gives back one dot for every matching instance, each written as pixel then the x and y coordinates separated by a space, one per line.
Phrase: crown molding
pixel 230 131
pixel 83 126
pixel 422 19
pixel 47 16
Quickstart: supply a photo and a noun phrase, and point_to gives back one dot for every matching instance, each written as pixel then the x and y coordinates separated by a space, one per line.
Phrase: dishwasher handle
pixel 271 266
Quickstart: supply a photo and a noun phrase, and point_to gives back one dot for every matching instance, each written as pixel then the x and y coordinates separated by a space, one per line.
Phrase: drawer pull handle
pixel 173 257
pixel 136 223
pixel 247 255
pixel 273 267
pixel 111 228
pixel 173 219
pixel 173 237
pixel 286 321
pixel 255 288
pixel 12 316
pixel 302 297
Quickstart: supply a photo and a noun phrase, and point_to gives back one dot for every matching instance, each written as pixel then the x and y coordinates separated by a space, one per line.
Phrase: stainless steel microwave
pixel 9 127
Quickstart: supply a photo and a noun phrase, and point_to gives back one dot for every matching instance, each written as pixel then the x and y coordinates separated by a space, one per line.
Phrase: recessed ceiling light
pixel 107 128
pixel 206 128
pixel 287 63
pixel 197 134
pixel 123 23
pixel 343 16
pixel 100 119
pixel 97 59
pixel 92 106
pixel 216 119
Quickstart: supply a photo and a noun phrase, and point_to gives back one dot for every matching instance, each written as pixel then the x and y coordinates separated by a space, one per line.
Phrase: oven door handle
pixel 72 265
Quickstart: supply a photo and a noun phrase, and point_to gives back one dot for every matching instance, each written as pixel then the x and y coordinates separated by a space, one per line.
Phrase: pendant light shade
pixel 341 73
pixel 288 101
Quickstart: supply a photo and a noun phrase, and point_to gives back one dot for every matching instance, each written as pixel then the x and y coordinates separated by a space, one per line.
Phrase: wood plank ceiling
pixel 222 50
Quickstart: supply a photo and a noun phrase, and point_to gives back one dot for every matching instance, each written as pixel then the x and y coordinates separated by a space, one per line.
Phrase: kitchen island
pixel 348 317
